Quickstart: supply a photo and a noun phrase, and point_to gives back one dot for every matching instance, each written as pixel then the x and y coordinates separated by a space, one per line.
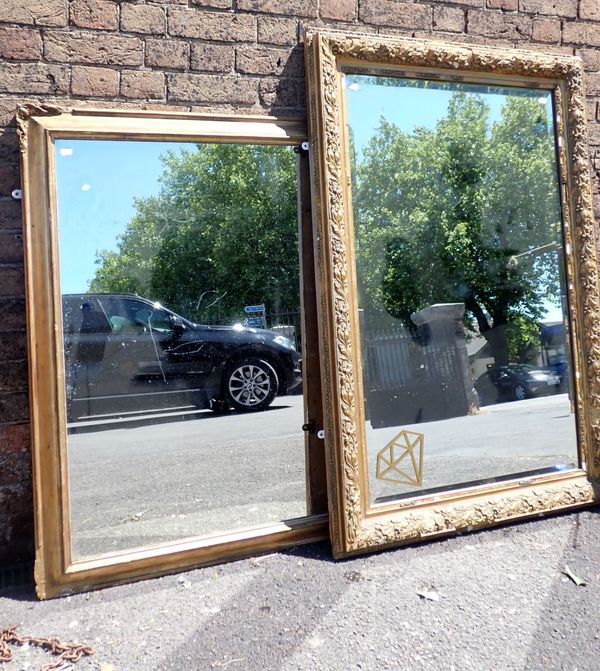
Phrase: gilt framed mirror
pixel 170 291
pixel 458 286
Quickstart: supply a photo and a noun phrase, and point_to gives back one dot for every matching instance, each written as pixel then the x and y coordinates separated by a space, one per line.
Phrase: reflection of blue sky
pixel 415 105
pixel 96 182
pixel 409 106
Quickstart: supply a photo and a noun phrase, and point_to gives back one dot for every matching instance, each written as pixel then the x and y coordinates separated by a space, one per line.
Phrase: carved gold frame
pixel 355 526
pixel 56 571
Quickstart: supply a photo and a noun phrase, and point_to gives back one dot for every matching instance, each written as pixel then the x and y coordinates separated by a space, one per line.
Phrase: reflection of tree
pixel 224 222
pixel 441 212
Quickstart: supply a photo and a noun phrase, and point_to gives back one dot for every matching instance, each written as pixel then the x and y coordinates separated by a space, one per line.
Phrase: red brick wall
pixel 241 55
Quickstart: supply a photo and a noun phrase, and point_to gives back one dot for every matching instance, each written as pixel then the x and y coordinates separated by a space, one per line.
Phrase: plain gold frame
pixel 355 525
pixel 56 572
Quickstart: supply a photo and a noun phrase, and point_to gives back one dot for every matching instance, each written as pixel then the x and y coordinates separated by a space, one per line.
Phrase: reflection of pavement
pixel 175 479
pixel 503 439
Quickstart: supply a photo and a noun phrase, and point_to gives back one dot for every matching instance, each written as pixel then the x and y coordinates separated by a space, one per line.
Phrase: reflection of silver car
pixel 515 382
pixel 124 353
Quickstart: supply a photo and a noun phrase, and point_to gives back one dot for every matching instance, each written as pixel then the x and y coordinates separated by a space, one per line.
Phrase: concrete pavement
pixel 504 605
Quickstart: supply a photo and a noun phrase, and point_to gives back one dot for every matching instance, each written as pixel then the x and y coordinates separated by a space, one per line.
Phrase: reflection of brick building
pixel 199 55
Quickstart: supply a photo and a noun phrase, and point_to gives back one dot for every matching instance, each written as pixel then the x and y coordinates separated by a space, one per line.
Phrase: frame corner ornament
pixel 24 113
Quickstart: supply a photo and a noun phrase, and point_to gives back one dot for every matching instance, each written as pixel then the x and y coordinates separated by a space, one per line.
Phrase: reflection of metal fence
pixel 286 323
pixel 411 381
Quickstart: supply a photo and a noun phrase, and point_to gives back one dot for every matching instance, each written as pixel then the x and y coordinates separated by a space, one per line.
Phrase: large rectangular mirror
pixel 458 285
pixel 172 331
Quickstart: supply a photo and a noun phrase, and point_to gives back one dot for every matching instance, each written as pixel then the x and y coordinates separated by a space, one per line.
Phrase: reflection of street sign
pixel 256 322
pixel 249 309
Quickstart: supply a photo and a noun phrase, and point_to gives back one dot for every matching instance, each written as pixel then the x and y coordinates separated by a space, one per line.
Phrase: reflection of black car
pixel 558 364
pixel 515 382
pixel 124 353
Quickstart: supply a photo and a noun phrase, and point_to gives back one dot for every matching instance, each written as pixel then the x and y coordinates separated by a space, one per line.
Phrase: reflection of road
pixel 174 479
pixel 503 439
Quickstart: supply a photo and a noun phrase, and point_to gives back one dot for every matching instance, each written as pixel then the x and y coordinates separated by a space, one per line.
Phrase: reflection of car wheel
pixel 250 384
pixel 520 392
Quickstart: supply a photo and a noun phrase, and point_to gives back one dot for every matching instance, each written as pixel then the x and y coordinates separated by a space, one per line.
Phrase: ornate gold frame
pixel 56 572
pixel 354 526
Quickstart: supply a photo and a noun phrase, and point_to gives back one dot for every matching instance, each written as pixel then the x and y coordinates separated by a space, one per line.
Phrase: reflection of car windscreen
pixel 92 320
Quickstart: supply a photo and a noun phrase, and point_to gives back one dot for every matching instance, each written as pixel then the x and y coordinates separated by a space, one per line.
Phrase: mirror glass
pixel 179 278
pixel 464 335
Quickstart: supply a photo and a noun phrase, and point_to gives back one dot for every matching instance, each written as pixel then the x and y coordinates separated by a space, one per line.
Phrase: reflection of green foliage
pixel 523 337
pixel 440 214
pixel 225 222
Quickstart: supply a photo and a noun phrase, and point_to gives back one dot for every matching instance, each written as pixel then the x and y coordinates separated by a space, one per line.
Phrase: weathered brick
pixel 304 8
pixel 338 10
pixel 15 466
pixel 33 78
pixel 15 439
pixel 16 534
pixel 13 377
pixel 506 5
pixel 586 34
pixel 212 57
pixel 265 61
pixel 13 346
pixel 94 82
pixel 52 13
pixel 545 48
pixel 162 53
pixel 213 4
pixel 273 30
pixel 592 84
pixel 11 247
pixel 8 107
pixel 449 19
pixel 96 14
pixel 9 146
pixel 594 134
pixel 10 177
pixel 589 9
pixel 591 59
pixel 396 14
pixel 12 282
pixel 278 93
pixel 462 3
pixel 93 49
pixel 20 43
pixel 13 314
pixel 143 19
pixel 10 214
pixel 504 26
pixel 144 85
pixel 212 25
pixel 562 8
pixel 546 30
pixel 14 407
pixel 212 89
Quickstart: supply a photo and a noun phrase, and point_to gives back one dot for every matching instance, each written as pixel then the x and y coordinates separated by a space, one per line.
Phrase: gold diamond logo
pixel 401 460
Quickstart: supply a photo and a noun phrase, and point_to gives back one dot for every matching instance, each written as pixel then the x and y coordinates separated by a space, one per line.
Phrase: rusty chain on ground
pixel 66 653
